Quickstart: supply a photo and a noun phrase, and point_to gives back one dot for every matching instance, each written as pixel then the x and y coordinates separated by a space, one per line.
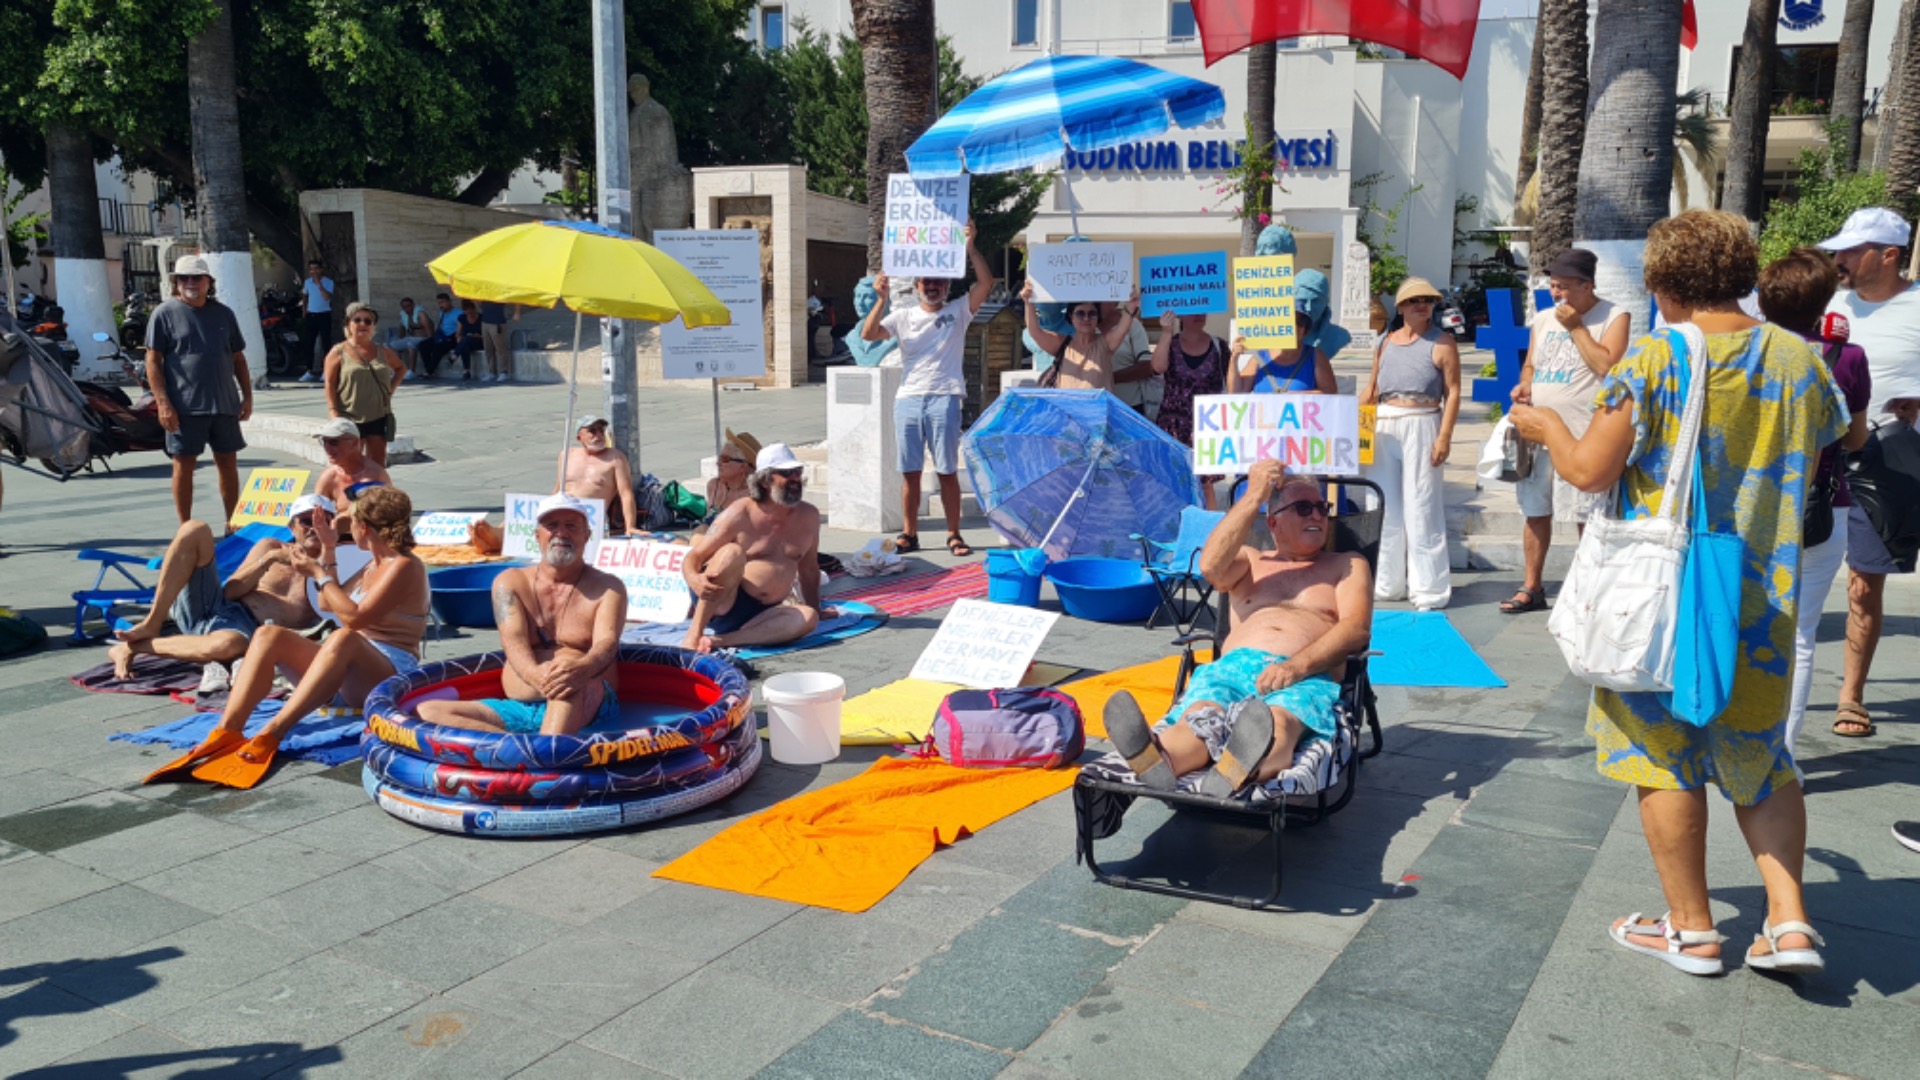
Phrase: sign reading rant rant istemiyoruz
pixel 1079 272
pixel 1307 433
pixel 926 232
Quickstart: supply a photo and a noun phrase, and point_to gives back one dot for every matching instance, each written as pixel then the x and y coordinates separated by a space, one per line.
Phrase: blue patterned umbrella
pixel 1076 472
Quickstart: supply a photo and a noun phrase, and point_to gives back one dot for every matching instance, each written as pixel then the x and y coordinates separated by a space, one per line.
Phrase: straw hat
pixel 748 446
pixel 1415 288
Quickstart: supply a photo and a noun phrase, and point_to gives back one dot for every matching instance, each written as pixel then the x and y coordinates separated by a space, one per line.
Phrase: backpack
pixel 1023 728
pixel 19 634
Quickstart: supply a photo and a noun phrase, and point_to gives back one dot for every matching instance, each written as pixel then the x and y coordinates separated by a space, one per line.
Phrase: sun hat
pixel 779 458
pixel 1415 288
pixel 747 445
pixel 191 266
pixel 1871 225
pixel 1574 263
pixel 337 428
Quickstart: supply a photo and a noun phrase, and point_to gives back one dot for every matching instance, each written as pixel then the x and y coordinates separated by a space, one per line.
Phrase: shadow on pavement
pixel 1854 955
pixel 127 976
pixel 220 1063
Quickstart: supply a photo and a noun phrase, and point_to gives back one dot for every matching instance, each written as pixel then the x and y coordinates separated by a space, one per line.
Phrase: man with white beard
pixel 743 571
pixel 597 471
pixel 560 623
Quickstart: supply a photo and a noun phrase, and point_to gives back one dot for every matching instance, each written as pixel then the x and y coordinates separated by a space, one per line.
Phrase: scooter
pixel 133 322
pixel 132 372
pixel 31 308
pixel 281 330
pixel 51 332
pixel 1451 316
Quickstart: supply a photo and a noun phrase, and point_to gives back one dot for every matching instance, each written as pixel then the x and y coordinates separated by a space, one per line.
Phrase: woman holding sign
pixel 1085 360
pixel 1307 369
pixel 1416 384
pixel 1201 368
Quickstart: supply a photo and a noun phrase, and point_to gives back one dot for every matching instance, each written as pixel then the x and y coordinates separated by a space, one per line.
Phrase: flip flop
pixel 1128 732
pixel 219 742
pixel 1250 738
pixel 243 766
pixel 1788 961
pixel 1854 713
pixel 1676 940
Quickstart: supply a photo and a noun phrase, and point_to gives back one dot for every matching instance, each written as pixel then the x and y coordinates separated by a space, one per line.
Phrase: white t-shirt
pixel 1562 381
pixel 932 346
pixel 1889 332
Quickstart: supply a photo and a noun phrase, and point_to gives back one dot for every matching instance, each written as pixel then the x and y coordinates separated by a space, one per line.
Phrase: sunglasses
pixel 189 277
pixel 339 440
pixel 1306 508
pixel 361 322
pixel 1423 301
pixel 733 461
pixel 1086 315
pixel 305 521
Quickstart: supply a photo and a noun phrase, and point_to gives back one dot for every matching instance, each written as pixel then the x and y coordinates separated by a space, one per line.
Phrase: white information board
pixel 656 592
pixel 518 541
pixel 728 262
pixel 984 645
pixel 926 228
pixel 443 528
pixel 1077 272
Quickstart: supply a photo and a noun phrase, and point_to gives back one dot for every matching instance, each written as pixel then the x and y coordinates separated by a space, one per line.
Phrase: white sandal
pixel 1676 940
pixel 1788 961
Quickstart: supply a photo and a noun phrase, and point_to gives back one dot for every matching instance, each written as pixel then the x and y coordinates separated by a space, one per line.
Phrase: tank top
pixel 1274 377
pixel 366 386
pixel 1409 369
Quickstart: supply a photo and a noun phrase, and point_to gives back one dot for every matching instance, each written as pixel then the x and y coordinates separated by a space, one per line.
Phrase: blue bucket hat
pixel 1313 297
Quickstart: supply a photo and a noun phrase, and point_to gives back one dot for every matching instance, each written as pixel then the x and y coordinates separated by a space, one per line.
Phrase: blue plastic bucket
pixel 1010 583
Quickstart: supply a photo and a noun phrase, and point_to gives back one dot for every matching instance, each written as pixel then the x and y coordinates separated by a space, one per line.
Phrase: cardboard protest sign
pixel 1307 433
pixel 1369 416
pixel 651 572
pixel 926 231
pixel 984 645
pixel 445 529
pixel 1263 301
pixel 268 496
pixel 1077 272
pixel 1186 284
pixel 726 261
pixel 517 537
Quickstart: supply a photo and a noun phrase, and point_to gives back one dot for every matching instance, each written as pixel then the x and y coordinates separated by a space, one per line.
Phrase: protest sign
pixel 1263 301
pixel 984 645
pixel 1307 433
pixel 651 572
pixel 1185 284
pixel 1070 273
pixel 926 231
pixel 268 496
pixel 726 261
pixel 444 529
pixel 517 541
pixel 1369 416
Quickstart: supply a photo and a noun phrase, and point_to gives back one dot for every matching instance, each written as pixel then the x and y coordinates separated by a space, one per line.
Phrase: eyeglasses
pixel 1306 508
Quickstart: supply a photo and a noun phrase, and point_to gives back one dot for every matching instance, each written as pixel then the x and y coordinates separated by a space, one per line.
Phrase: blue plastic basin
pixel 463 595
pixel 1104 590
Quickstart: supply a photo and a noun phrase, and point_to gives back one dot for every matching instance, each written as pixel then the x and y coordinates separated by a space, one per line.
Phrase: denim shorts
pixel 928 421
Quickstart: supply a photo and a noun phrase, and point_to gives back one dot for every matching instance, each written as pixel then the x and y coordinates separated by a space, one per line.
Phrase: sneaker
pixel 308 376
pixel 1908 833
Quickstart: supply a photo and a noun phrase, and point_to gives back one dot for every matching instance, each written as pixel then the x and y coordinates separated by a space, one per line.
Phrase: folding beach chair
pixel 1175 569
pixel 228 553
pixel 1324 773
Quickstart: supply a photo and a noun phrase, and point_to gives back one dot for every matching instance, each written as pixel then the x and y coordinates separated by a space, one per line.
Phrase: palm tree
pixel 1563 126
pixel 1751 110
pixel 1694 142
pixel 1850 78
pixel 1626 170
pixel 1891 97
pixel 1530 115
pixel 897 46
pixel 79 250
pixel 1900 132
pixel 1256 197
pixel 220 188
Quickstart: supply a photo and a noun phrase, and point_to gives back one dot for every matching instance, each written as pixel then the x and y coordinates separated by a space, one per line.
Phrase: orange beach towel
pixel 1151 684
pixel 847 846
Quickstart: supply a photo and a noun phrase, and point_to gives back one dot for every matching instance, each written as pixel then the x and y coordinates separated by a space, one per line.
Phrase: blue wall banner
pixel 1187 284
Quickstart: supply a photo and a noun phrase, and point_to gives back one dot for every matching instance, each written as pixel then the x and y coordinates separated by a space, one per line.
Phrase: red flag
pixel 1437 31
pixel 1689 26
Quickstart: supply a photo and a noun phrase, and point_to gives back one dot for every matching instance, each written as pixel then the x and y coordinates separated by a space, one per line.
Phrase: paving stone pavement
pixel 1449 923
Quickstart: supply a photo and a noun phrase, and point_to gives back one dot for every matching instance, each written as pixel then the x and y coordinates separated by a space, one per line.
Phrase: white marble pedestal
pixel 864 494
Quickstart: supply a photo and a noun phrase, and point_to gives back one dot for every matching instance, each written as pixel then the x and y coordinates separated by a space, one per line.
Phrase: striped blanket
pixel 914 593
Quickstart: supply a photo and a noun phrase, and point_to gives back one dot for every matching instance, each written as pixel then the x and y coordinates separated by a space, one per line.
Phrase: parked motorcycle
pixel 133 321
pixel 31 308
pixel 131 366
pixel 280 326
pixel 1452 317
pixel 51 332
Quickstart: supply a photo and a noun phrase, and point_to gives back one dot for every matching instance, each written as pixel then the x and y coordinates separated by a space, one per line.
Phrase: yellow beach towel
pixel 847 846
pixel 901 712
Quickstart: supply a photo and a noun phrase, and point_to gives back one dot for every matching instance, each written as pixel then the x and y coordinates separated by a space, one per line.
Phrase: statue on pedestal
pixel 662 187
pixel 866 353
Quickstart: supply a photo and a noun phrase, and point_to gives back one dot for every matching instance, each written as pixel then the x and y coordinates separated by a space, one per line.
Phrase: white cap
pixel 306 504
pixel 561 501
pixel 588 421
pixel 1872 225
pixel 189 265
pixel 336 428
pixel 779 458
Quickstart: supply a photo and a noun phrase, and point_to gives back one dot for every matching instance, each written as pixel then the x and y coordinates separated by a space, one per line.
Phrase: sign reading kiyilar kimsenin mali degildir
pixel 926 227
pixel 1306 433
pixel 1185 284
pixel 1263 301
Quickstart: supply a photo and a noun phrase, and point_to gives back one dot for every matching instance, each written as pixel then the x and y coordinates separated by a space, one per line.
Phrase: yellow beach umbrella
pixel 590 268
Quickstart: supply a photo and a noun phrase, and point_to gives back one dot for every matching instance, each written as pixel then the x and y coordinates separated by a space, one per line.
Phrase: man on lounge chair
pixel 1298 612
pixel 216 620
pixel 743 571
pixel 560 624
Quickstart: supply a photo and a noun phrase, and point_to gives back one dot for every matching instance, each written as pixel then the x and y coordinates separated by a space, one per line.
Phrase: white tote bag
pixel 1615 618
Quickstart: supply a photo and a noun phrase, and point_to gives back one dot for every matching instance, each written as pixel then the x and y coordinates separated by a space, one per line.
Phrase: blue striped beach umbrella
pixel 1035 113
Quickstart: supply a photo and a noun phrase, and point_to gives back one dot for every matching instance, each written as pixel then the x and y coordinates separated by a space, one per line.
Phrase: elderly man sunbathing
pixel 743 571
pixel 216 619
pixel 560 624
pixel 1298 612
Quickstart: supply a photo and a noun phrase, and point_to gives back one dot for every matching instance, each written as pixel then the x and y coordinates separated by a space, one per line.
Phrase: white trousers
pixel 1819 565
pixel 1413 539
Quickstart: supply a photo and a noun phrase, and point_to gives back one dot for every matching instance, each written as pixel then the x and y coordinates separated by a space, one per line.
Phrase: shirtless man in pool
pixel 1298 612
pixel 742 572
pixel 560 624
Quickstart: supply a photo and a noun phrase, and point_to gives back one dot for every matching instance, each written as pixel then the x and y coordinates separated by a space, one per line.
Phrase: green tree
pixel 1824 193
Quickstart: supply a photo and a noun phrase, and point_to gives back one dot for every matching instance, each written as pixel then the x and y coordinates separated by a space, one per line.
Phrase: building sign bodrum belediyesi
pixel 1186 284
pixel 1306 433
pixel 1072 273
pixel 1263 301
pixel 1204 155
pixel 926 230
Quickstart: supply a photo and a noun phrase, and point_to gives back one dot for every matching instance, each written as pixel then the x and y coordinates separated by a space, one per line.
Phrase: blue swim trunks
pixel 1234 677
pixel 525 717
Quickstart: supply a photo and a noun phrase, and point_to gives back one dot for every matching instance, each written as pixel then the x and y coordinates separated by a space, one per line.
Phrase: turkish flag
pixel 1689 26
pixel 1437 31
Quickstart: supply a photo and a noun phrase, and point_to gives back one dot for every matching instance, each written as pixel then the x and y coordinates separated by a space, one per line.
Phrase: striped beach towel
pixel 914 593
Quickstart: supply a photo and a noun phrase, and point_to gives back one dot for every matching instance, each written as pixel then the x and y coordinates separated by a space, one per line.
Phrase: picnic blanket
pixel 911 594
pixel 151 675
pixel 328 740
pixel 901 712
pixel 847 846
pixel 853 620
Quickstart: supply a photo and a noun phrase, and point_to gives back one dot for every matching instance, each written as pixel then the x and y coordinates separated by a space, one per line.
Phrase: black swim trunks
pixel 745 608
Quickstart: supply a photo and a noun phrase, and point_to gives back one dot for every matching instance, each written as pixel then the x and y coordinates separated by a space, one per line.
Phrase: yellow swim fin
pixel 242 766
pixel 219 742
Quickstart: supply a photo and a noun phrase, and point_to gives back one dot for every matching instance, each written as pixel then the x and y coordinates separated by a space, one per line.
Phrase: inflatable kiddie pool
pixel 685 738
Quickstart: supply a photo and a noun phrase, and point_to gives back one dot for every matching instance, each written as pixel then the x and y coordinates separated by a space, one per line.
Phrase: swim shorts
pixel 526 717
pixel 745 608
pixel 203 608
pixel 1233 678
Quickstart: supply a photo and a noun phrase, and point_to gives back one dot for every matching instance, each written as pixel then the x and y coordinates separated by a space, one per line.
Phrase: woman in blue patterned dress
pixel 1771 407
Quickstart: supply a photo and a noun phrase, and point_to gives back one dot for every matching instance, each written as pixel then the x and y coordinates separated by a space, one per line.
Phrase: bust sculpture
pixel 662 187
pixel 866 353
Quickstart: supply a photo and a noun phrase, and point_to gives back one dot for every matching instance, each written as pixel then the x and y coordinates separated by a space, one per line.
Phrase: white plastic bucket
pixel 803 716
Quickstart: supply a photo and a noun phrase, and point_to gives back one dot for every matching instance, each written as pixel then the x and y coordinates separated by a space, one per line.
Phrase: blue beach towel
pixel 328 740
pixel 854 619
pixel 1421 648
